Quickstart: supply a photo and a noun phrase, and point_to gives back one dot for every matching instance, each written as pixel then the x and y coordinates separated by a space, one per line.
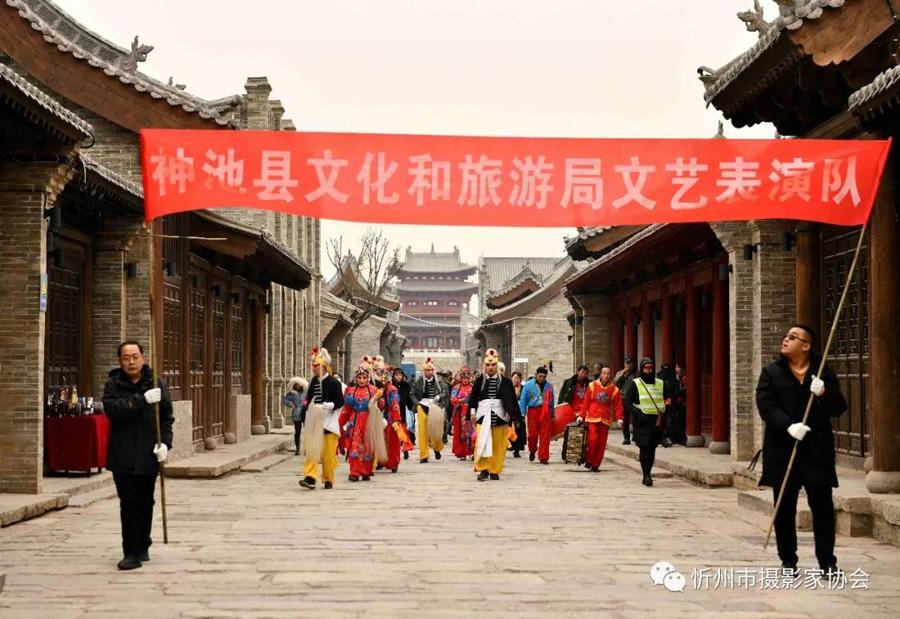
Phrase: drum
pixel 574 443
pixel 563 416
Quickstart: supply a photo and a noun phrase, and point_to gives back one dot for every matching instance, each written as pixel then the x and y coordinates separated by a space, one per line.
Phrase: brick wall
pixel 543 335
pixel 23 258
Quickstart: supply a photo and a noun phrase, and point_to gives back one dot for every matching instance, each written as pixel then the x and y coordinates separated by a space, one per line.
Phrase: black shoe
pixel 495 476
pixel 296 452
pixel 366 477
pixel 545 462
pixel 833 573
pixel 483 476
pixel 595 469
pixel 423 461
pixel 516 454
pixel 437 455
pixel 790 569
pixel 380 467
pixel 129 563
pixel 666 443
pixel 394 470
pixel 328 485
pixel 144 556
pixel 353 478
pixel 406 455
pixel 626 442
pixel 648 481
pixel 308 482
pixel 531 456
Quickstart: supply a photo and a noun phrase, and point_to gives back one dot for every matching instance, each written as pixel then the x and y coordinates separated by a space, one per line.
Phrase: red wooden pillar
pixel 721 417
pixel 632 330
pixel 692 363
pixel 649 331
pixel 668 329
pixel 618 360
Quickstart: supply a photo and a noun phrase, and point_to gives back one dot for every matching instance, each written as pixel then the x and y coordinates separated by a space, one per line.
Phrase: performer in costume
pixel 362 428
pixel 402 386
pixel 323 403
pixel 519 425
pixel 394 434
pixel 494 402
pixel 603 403
pixel 463 445
pixel 536 402
pixel 429 397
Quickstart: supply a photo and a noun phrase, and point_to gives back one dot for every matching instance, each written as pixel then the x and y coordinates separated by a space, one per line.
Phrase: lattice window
pixel 237 347
pixel 172 339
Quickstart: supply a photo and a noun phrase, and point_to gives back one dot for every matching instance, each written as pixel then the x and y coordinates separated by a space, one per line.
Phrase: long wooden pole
pixel 153 363
pixel 809 403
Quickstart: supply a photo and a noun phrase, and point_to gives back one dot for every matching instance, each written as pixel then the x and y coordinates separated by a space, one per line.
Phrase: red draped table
pixel 76 443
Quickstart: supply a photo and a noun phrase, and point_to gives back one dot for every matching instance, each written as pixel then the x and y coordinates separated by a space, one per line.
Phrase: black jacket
pixel 781 401
pixel 132 422
pixel 506 393
pixel 405 401
pixel 568 389
pixel 331 391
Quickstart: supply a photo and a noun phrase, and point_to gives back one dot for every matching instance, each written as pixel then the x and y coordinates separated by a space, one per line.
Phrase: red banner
pixel 528 182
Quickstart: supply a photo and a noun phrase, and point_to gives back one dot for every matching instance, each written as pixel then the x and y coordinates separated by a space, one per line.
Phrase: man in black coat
pixel 493 402
pixel 782 394
pixel 646 398
pixel 134 456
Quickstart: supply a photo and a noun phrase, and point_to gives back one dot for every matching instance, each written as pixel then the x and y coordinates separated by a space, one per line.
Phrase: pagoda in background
pixel 434 294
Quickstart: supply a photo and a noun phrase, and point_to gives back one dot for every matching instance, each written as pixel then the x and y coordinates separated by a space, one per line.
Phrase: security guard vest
pixel 646 392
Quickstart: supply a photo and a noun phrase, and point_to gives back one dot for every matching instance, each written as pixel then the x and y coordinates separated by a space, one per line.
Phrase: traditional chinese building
pixel 719 297
pixel 234 317
pixel 525 313
pixel 434 293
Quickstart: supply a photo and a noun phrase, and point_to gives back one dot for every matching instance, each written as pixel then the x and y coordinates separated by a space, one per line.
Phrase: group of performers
pixel 490 414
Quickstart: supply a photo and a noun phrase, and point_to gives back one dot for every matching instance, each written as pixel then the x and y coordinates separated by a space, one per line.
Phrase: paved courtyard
pixel 549 541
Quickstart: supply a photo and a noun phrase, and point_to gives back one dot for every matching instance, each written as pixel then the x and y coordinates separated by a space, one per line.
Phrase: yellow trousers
pixel 329 460
pixel 422 436
pixel 494 464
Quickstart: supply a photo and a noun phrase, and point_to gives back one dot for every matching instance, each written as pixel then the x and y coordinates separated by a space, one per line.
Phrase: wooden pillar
pixel 720 347
pixel 692 334
pixel 649 332
pixel 632 331
pixel 257 371
pixel 884 338
pixel 618 360
pixel 668 329
pixel 809 276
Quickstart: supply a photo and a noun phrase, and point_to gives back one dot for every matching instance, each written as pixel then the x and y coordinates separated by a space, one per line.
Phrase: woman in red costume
pixel 463 445
pixel 357 397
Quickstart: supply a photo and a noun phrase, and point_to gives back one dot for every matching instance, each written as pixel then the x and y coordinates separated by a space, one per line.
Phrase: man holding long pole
pixel 137 446
pixel 782 395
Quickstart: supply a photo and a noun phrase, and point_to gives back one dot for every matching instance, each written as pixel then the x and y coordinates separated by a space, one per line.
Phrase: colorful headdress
pixel 464 372
pixel 378 363
pixel 491 356
pixel 321 356
pixel 365 366
pixel 428 364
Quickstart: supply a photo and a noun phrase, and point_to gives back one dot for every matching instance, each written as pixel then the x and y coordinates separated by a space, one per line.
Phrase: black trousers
pixel 822 506
pixel 298 425
pixel 135 510
pixel 647 457
pixel 626 422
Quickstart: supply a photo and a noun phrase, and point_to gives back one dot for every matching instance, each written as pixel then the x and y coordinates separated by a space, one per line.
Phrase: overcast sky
pixel 566 68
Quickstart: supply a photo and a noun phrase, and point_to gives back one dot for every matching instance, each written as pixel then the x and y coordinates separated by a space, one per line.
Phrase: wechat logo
pixel 664 573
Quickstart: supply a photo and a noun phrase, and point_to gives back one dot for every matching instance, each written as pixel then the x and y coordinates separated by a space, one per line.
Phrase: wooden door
pixel 198 318
pixel 63 335
pixel 218 400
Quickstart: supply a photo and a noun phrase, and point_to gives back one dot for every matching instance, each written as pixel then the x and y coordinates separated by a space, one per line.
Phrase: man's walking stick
pixel 809 403
pixel 153 360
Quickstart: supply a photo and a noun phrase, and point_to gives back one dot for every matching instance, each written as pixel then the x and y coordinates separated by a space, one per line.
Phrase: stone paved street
pixel 549 541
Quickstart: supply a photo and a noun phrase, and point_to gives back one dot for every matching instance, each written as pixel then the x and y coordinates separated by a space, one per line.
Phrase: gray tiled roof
pixel 68 35
pixel 791 17
pixel 497 273
pixel 45 101
pixel 113 177
pixel 884 81
pixel 584 234
pixel 434 262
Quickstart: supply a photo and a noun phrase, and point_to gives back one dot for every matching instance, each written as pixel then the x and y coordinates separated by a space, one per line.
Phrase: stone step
pixel 264 464
pixel 695 465
pixel 17 507
pixel 230 458
pixel 760 501
pixel 83 499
